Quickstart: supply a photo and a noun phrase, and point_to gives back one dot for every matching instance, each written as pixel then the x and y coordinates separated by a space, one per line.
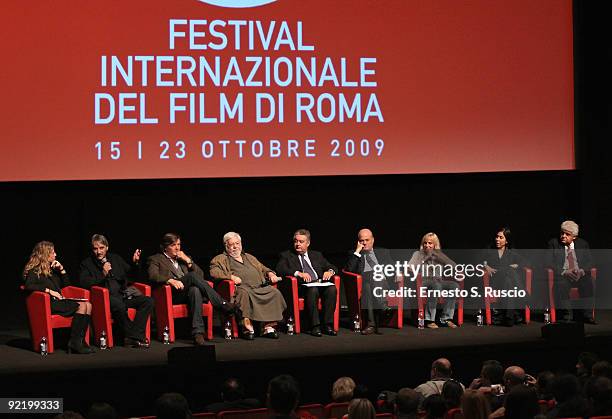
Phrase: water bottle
pixel 166 336
pixel 290 326
pixel 546 315
pixel 228 330
pixel 479 320
pixel 103 344
pixel 43 346
pixel 421 320
pixel 357 324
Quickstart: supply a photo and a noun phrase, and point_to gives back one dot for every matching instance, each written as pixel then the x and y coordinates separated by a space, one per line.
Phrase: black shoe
pixel 198 339
pixel 248 335
pixel 368 331
pixel 271 335
pixel 134 343
pixel 79 347
pixel 316 332
pixel 329 331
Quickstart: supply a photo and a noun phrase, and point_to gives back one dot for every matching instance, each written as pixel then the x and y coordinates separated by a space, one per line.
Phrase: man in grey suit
pixel 173 267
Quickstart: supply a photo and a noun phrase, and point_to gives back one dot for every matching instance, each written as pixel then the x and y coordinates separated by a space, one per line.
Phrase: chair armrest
pixel 143 288
pixel 593 274
pixel 75 292
pixel 528 279
pixel 226 288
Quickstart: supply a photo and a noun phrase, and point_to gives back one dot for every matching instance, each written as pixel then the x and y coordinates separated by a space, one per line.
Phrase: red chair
pixel 601 417
pixel 488 300
pixel 454 413
pixel 315 410
pixel 353 286
pixel 101 313
pixel 336 410
pixel 422 300
pixel 574 294
pixel 204 415
pixel 262 413
pixel 295 303
pixel 166 312
pixel 42 322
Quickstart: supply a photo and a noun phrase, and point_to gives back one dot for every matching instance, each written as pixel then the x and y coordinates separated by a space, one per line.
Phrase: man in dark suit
pixel 173 267
pixel 109 270
pixel 362 261
pixel 570 259
pixel 311 266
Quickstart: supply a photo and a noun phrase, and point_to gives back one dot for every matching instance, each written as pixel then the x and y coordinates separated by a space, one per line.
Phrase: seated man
pixel 110 271
pixel 570 258
pixel 233 396
pixel 441 372
pixel 255 297
pixel 173 267
pixel 362 261
pixel 311 266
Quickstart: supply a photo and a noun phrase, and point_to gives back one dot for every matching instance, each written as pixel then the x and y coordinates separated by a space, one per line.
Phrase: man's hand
pixel 359 248
pixel 237 280
pixel 514 266
pixel 306 277
pixel 136 256
pixel 398 278
pixel 327 275
pixel 182 256
pixel 176 284
pixel 571 275
pixel 106 268
pixel 273 278
pixel 490 270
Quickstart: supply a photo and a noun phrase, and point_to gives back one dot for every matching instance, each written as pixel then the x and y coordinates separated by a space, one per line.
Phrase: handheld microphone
pixel 110 271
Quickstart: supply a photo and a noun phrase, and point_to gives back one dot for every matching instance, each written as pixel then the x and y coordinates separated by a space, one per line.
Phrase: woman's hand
pixel 56 294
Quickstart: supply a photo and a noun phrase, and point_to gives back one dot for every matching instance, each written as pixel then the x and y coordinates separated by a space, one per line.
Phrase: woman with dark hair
pixel 521 403
pixel 43 272
pixel 361 409
pixel 502 264
pixel 451 392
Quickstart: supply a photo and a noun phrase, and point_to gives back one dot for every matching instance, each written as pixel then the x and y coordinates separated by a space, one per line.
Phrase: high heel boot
pixel 76 344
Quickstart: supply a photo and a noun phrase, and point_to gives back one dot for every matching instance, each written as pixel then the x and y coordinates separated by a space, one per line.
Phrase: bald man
pixel 570 258
pixel 362 261
pixel 441 372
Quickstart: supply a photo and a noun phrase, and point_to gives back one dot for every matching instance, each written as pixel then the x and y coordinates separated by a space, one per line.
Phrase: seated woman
pixel 45 273
pixel 433 261
pixel 502 263
pixel 255 297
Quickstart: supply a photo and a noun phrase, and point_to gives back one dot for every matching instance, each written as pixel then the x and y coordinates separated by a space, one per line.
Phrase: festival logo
pixel 237 3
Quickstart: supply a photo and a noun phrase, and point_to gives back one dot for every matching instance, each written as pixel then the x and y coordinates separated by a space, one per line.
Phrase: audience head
pixel 233 244
pixel 361 409
pixel 474 405
pixel 451 392
pixel 441 368
pixel 513 376
pixel 41 258
pixel 342 390
pixel 283 394
pixel 361 391
pixel 544 385
pixel 429 242
pixel 172 406
pixel 434 406
pixel 521 402
pixel 565 387
pixel 366 239
pixel 492 372
pixel 102 411
pixel 569 231
pixel 232 390
pixel 407 401
pixel 599 393
pixel 602 369
pixel 585 363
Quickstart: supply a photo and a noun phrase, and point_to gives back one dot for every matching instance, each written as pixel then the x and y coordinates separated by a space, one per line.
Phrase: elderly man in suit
pixel 311 266
pixel 363 261
pixel 570 259
pixel 173 267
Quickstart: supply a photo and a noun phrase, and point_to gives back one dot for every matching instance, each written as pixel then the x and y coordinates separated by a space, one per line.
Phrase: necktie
pixel 571 264
pixel 307 269
pixel 370 259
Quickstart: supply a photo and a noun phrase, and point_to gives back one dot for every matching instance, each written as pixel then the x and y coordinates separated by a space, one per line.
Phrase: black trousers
pixel 196 292
pixel 132 329
pixel 564 304
pixel 311 297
